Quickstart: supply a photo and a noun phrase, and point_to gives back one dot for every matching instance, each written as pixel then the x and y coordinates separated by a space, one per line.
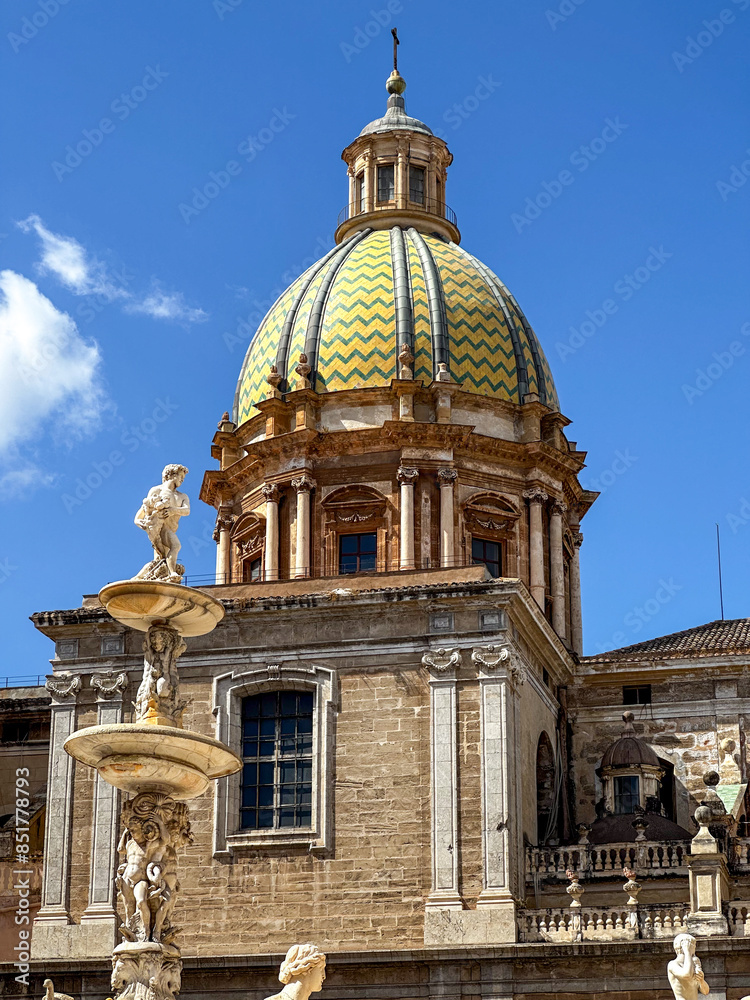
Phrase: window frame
pixel 359 192
pixel 636 794
pixel 417 167
pixel 383 167
pixel 485 542
pixel 229 690
pixel 358 554
pixel 638 689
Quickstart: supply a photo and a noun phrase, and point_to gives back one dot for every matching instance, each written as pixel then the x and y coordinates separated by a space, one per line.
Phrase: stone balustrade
pixel 739 853
pixel 589 923
pixel 592 860
pixel 738 918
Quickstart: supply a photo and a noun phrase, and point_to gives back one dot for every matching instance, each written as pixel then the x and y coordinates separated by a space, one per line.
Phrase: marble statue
pixel 302 972
pixel 159 515
pixel 158 694
pixel 50 994
pixel 685 972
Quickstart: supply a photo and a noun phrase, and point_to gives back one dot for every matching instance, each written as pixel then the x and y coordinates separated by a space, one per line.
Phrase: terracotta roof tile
pixel 711 639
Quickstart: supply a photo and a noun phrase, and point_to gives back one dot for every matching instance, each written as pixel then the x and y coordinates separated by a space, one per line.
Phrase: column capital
pixel 108 685
pixel 447 477
pixel 63 688
pixel 271 492
pixel 559 507
pixel 535 495
pixel 577 539
pixel 407 476
pixel 442 661
pixel 303 484
pixel 224 521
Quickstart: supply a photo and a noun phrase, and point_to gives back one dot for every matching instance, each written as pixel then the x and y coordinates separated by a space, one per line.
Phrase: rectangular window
pixel 360 187
pixel 416 184
pixel 489 554
pixel 385 183
pixel 277 738
pixel 637 695
pixel 358 553
pixel 251 570
pixel 626 794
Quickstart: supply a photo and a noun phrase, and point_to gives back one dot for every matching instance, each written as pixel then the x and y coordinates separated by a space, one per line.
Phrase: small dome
pixel 352 310
pixel 629 751
pixel 396 119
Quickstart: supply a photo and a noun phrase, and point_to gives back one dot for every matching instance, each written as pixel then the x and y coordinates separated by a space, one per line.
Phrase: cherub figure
pixel 164 875
pixel 685 972
pixel 159 516
pixel 143 843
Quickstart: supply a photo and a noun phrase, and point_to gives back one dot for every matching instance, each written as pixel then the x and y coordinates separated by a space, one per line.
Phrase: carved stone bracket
pixel 536 495
pixel 447 477
pixel 108 685
pixel 63 687
pixel 577 539
pixel 442 660
pixel 490 657
pixel 408 476
pixel 304 484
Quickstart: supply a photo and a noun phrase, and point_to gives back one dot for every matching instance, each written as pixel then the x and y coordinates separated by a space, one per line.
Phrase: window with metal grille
pixel 358 553
pixel 626 794
pixel 487 553
pixel 277 738
pixel 361 192
pixel 385 183
pixel 637 695
pixel 416 184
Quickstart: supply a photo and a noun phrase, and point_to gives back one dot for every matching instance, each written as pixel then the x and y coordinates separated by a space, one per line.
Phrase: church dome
pixel 380 288
pixel 629 751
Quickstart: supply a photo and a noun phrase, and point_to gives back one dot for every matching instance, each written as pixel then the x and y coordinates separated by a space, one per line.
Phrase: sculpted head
pixel 175 472
pixel 683 940
pixel 304 963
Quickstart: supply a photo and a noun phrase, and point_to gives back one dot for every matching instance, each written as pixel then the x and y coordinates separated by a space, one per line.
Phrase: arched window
pixel 546 805
pixel 277 748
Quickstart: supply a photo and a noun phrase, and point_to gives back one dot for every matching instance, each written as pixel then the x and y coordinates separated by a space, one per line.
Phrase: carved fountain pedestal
pixel 162 766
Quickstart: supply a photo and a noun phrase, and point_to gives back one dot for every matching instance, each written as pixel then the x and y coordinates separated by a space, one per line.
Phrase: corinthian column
pixel 576 618
pixel 446 478
pixel 304 485
pixel 537 498
pixel 407 478
pixel 271 493
pixel 224 522
pixel 557 568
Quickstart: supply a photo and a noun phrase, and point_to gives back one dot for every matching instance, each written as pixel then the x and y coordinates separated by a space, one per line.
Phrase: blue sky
pixel 600 169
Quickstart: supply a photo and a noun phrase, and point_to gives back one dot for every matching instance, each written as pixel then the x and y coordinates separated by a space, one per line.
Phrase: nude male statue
pixel 685 972
pixel 159 516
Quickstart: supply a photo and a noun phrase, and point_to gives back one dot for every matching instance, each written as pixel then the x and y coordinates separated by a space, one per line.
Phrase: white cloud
pixel 17 484
pixel 66 259
pixel 49 375
pixel 166 305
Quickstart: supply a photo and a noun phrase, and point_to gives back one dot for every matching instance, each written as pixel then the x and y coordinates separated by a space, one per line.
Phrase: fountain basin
pixel 143 603
pixel 137 757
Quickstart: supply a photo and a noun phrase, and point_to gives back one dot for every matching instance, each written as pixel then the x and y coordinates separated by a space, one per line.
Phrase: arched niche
pixel 546 789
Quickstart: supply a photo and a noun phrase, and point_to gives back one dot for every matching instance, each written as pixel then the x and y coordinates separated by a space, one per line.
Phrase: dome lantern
pixel 397 172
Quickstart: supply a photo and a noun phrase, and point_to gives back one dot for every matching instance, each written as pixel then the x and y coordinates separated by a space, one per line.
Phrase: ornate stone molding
pixel 224 521
pixel 442 660
pixel 271 492
pixel 447 477
pixel 303 484
pixel 407 476
pixel 490 657
pixel 108 685
pixel 63 687
pixel 536 495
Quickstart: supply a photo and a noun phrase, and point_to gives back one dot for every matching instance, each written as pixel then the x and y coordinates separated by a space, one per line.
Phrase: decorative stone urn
pixel 162 766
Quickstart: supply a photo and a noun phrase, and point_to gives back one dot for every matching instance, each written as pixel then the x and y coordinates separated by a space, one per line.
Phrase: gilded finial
pixel 395 84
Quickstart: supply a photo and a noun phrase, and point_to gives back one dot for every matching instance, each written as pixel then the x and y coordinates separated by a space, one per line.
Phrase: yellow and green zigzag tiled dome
pixel 352 310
